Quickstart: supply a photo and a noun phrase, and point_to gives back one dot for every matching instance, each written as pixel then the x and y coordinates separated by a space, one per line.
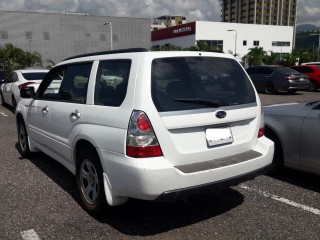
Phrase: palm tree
pixel 256 56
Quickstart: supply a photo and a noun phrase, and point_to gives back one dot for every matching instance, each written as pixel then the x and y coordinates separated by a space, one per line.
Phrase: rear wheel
pixel 2 98
pixel 292 91
pixel 90 181
pixel 23 140
pixel 270 88
pixel 313 86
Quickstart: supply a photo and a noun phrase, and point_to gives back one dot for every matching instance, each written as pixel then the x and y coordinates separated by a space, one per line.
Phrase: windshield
pixel 34 75
pixel 186 83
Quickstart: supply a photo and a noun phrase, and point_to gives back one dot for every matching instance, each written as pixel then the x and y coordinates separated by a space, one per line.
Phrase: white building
pixel 235 38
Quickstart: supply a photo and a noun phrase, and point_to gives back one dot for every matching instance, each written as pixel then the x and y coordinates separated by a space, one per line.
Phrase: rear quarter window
pixel 187 83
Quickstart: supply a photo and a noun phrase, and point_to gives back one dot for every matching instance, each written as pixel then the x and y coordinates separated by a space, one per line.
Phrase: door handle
pixel 45 109
pixel 75 114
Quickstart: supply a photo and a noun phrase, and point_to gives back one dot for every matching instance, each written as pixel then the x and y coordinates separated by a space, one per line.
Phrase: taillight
pixel 290 78
pixel 141 139
pixel 25 84
pixel 261 127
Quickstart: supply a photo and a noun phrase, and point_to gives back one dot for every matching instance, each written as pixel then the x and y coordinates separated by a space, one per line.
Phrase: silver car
pixel 295 130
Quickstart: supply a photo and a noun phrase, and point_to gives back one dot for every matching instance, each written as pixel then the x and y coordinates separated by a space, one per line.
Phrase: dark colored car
pixel 313 73
pixel 2 77
pixel 273 79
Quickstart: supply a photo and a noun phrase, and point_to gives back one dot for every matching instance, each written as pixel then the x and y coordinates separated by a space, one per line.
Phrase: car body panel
pixel 297 128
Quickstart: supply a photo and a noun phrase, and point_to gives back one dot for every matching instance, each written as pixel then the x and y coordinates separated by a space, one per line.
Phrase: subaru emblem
pixel 221 114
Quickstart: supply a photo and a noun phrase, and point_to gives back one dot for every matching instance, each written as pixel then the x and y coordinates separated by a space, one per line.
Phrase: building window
pixel 256 43
pixel 215 44
pixel 102 37
pixel 115 37
pixel 28 35
pixel 280 44
pixel 87 35
pixel 244 42
pixel 4 35
pixel 46 35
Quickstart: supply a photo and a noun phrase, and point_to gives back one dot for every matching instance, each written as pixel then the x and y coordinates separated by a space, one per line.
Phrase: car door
pixel 260 76
pixel 63 109
pixel 309 140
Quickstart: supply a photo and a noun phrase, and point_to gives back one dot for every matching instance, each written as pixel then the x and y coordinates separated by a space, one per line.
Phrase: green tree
pixel 271 58
pixel 12 58
pixel 256 56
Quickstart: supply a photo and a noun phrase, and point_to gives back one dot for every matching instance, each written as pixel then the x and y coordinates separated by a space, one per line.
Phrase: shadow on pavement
pixel 144 218
pixel 301 179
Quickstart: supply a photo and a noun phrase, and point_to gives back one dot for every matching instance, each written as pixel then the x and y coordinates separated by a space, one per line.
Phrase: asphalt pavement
pixel 39 200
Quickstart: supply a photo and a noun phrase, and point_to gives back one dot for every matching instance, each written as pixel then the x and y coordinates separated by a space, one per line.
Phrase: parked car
pixel 160 131
pixel 10 90
pixel 311 63
pixel 295 130
pixel 272 79
pixel 2 77
pixel 313 73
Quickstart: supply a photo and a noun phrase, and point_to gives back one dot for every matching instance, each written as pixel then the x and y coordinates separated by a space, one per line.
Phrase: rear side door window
pixel 111 82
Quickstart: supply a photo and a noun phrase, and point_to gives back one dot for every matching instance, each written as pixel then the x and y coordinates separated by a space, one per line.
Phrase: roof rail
pixel 127 50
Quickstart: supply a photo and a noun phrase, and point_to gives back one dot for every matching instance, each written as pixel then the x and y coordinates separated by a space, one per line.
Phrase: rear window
pixel 34 75
pixel 187 83
pixel 286 70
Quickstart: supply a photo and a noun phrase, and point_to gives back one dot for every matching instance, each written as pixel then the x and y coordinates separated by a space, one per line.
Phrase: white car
pixel 10 90
pixel 173 124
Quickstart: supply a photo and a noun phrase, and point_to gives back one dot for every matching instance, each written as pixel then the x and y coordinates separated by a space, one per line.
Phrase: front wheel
pixel 23 140
pixel 90 182
pixel 14 104
pixel 278 161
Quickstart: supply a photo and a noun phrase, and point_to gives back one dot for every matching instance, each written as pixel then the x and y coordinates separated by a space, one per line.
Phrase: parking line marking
pixel 3 114
pixel 30 235
pixel 281 199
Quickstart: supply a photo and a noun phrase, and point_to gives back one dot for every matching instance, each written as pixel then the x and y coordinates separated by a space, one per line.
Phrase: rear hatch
pixel 207 106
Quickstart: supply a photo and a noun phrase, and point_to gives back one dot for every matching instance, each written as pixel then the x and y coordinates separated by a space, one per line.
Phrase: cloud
pixel 308 12
pixel 204 10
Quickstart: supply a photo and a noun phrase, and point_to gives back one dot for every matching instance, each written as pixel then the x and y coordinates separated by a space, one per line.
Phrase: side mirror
pixel 27 92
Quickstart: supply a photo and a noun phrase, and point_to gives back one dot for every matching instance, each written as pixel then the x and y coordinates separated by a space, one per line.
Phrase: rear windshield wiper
pixel 211 103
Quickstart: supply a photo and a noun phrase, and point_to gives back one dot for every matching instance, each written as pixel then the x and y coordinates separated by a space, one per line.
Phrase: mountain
pixel 307 27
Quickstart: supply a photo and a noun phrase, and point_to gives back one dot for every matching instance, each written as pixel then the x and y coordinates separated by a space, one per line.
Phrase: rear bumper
pixel 294 85
pixel 211 187
pixel 157 179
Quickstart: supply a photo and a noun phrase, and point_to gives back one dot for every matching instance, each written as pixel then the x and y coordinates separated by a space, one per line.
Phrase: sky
pixel 200 10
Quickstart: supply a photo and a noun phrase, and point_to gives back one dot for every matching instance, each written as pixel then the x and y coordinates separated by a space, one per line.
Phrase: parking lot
pixel 39 200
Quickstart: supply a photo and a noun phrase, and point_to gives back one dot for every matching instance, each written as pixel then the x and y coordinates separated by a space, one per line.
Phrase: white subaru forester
pixel 147 125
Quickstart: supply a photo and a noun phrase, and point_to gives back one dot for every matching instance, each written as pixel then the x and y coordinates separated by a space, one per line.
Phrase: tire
pixel 277 164
pixel 292 91
pixel 14 104
pixel 23 140
pixel 2 99
pixel 313 86
pixel 89 176
pixel 270 88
